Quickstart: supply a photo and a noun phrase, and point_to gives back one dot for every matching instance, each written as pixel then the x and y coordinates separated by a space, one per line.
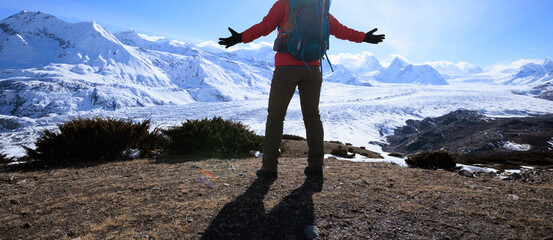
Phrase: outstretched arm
pixel 342 32
pixel 374 39
pixel 269 24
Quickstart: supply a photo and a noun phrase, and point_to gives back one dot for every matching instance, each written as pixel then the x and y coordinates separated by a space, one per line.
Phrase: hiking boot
pixel 313 171
pixel 265 174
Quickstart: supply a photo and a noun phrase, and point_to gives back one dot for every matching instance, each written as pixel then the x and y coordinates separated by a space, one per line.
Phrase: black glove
pixel 232 40
pixel 374 39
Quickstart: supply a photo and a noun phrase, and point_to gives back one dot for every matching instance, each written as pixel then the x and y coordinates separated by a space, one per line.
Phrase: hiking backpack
pixel 307 30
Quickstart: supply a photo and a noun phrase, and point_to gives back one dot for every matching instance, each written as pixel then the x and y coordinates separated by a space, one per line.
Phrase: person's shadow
pixel 245 217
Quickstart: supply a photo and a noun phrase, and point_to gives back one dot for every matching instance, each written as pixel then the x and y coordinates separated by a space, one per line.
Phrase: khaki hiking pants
pixel 283 86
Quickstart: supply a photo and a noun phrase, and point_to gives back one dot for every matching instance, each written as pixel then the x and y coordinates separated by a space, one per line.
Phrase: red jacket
pixel 278 16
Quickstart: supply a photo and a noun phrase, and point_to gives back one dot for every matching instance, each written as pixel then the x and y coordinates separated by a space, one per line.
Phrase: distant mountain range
pixel 48 66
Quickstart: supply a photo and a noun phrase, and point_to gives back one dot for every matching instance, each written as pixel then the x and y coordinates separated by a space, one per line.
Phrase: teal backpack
pixel 307 31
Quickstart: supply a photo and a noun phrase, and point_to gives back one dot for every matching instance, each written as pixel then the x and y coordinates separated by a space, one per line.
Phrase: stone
pixel 466 173
pixel 311 232
pixel 504 177
pixel 134 153
pixel 153 154
pixel 516 176
pixel 510 176
pixel 513 197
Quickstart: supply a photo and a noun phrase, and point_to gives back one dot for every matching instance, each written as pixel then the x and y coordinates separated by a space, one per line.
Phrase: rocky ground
pixel 172 197
pixel 501 143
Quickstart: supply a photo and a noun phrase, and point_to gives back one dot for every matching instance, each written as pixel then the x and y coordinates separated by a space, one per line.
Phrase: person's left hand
pixel 232 40
pixel 374 39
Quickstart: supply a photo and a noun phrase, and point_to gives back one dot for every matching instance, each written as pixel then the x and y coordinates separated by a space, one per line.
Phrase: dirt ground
pixel 172 197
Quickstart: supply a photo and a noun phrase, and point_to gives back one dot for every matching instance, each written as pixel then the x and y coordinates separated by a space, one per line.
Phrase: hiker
pixel 295 69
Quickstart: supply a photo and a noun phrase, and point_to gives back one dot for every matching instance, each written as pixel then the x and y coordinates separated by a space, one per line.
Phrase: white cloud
pixel 254 46
pixel 512 66
pixel 455 68
pixel 350 59
pixel 211 46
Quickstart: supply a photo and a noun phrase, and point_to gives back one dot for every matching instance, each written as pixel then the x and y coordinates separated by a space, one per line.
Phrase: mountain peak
pixel 31 22
pixel 548 65
pixel 30 17
pixel 399 62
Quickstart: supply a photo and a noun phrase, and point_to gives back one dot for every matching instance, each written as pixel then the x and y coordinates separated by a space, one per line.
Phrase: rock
pixel 472 133
pixel 466 173
pixel 311 232
pixel 513 197
pixel 504 177
pixel 15 201
pixel 491 175
pixel 131 154
pixel 256 154
pixel 134 153
pixel 153 154
pixel 510 176
pixel 26 225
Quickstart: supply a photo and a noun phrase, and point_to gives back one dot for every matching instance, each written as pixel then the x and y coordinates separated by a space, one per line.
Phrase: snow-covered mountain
pixel 51 66
pixel 400 71
pixel 530 74
pixel 212 75
pixel 48 66
pixel 362 64
pixel 344 75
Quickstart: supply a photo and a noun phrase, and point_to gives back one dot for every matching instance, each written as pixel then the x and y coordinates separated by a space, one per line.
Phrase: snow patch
pixel 361 158
pixel 476 168
pixel 517 147
pixel 513 171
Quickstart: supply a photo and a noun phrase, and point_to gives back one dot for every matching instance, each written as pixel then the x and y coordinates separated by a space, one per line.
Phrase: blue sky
pixel 481 32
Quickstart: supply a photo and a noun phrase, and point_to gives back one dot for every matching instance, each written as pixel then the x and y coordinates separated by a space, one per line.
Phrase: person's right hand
pixel 374 39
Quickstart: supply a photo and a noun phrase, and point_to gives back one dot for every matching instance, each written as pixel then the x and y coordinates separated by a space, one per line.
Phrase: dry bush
pixel 432 160
pixel 93 140
pixel 292 137
pixel 399 155
pixel 342 152
pixel 4 159
pixel 213 136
